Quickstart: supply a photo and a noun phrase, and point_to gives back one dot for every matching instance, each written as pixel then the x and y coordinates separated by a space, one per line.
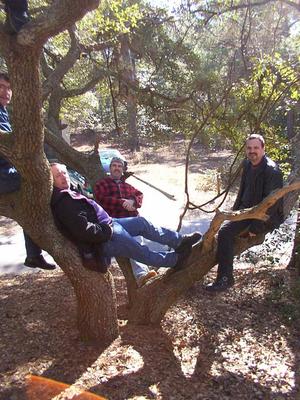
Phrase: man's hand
pixel 127 174
pixel 128 204
pixel 246 234
pixel 252 234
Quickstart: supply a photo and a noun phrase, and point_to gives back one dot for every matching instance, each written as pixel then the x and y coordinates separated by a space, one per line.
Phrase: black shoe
pixel 183 257
pixel 220 285
pixel 15 20
pixel 38 262
pixel 188 241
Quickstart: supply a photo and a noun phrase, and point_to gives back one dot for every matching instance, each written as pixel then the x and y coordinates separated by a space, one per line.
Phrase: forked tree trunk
pixel 149 304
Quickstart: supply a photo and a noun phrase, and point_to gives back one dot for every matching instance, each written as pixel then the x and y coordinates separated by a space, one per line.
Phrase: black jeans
pixel 228 232
pixel 10 182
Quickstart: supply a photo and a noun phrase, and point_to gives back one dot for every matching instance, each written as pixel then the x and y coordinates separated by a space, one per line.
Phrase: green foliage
pixel 111 19
pixel 80 110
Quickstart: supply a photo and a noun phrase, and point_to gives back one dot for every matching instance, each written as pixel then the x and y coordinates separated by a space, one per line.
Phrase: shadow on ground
pixel 208 347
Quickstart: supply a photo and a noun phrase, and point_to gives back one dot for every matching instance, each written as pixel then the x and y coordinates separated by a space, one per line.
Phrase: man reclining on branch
pixel 100 237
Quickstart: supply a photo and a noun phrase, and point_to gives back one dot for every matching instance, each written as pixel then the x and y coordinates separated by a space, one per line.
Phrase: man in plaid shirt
pixel 121 200
pixel 118 198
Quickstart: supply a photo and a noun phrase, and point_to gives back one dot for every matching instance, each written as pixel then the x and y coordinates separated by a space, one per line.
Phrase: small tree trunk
pixel 129 75
pixel 295 258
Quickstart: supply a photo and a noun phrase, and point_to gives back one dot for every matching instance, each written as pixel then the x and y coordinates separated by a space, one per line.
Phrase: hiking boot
pixel 183 257
pixel 38 262
pixel 145 278
pixel 220 285
pixel 15 19
pixel 188 241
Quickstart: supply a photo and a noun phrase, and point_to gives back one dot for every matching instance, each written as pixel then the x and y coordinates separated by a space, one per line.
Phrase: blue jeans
pixel 139 270
pixel 123 243
pixel 10 181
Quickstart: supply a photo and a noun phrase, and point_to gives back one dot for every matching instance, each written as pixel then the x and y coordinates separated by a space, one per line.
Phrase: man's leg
pixel 17 14
pixel 122 244
pixel 225 253
pixel 34 258
pixel 19 5
pixel 10 182
pixel 139 226
pixel 141 272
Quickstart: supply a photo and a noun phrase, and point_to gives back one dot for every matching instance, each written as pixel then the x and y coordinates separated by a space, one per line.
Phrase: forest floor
pixel 242 344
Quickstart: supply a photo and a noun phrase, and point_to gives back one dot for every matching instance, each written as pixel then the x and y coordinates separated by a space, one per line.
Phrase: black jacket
pixel 268 178
pixel 76 219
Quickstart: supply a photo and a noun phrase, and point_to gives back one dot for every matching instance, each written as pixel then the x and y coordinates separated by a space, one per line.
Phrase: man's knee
pixel 226 232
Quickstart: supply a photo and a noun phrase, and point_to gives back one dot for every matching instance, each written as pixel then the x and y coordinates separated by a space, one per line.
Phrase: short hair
pixel 4 76
pixel 258 137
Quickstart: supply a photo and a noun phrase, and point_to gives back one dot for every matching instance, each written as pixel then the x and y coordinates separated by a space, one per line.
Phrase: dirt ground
pixel 243 344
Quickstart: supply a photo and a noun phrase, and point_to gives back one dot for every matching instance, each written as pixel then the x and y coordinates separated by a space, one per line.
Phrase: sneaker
pixel 220 285
pixel 145 278
pixel 15 20
pixel 183 257
pixel 38 262
pixel 188 241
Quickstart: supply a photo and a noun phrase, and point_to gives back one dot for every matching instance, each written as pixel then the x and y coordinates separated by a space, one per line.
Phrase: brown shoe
pixel 145 278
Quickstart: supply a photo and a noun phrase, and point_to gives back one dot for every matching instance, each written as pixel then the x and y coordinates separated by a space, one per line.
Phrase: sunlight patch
pixel 264 358
pixel 187 357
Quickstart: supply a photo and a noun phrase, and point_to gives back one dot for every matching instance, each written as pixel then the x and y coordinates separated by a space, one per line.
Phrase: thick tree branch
pixel 54 79
pixel 61 14
pixel 256 212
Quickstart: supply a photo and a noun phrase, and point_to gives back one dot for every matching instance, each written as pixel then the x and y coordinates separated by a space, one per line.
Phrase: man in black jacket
pixel 100 237
pixel 260 177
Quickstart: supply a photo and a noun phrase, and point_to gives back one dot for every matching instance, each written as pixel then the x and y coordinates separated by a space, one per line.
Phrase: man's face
pixel 116 170
pixel 254 151
pixel 61 178
pixel 5 92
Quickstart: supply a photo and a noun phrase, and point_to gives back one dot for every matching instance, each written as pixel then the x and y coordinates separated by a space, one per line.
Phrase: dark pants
pixel 227 234
pixel 16 5
pixel 10 182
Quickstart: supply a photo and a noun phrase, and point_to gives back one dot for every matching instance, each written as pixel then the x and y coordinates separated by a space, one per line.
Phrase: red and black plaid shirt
pixel 111 194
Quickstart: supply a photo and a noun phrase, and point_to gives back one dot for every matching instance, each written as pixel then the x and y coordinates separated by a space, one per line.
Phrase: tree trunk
pixel 295 258
pixel 150 303
pixel 97 311
pixel 128 76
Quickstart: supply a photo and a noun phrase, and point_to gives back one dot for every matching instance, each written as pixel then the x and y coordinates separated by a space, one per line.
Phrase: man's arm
pixel 104 195
pixel 135 195
pixel 273 180
pixel 75 217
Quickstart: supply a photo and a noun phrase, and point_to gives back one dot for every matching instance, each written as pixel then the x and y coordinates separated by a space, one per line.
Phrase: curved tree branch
pixel 61 14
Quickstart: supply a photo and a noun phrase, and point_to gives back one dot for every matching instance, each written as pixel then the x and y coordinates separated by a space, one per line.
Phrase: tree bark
pixel 128 78
pixel 295 258
pixel 97 320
